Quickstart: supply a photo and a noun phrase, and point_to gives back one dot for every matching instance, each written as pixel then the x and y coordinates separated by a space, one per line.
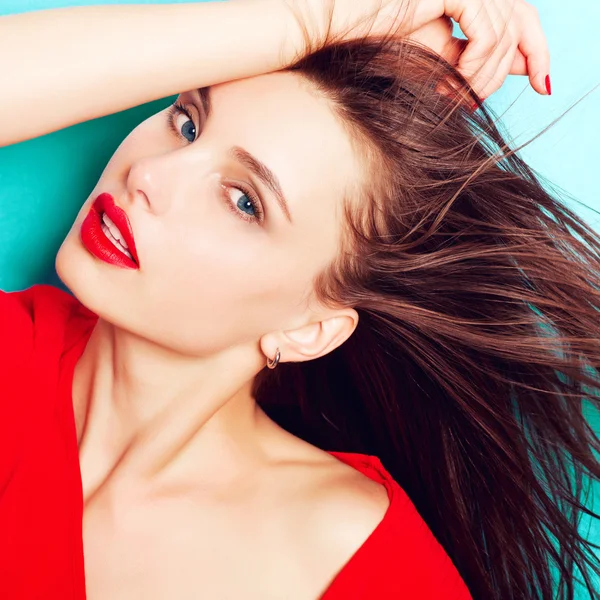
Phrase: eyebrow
pixel 258 168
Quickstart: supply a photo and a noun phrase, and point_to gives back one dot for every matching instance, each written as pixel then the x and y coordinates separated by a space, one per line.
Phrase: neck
pixel 139 400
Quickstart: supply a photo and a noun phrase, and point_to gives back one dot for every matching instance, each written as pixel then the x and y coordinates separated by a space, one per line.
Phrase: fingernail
pixel 475 106
pixel 548 85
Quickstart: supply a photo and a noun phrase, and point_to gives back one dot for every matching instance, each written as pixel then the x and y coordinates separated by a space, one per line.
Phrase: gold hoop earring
pixel 273 363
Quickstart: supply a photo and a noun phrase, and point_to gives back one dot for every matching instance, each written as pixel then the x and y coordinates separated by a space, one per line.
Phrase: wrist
pixel 272 30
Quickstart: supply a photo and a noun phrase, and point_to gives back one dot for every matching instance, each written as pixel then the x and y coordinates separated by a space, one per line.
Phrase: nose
pixel 146 184
pixel 159 181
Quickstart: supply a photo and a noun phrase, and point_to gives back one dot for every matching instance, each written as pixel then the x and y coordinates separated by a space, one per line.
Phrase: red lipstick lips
pixel 98 243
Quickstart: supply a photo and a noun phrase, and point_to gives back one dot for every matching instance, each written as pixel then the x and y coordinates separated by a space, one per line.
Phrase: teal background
pixel 60 169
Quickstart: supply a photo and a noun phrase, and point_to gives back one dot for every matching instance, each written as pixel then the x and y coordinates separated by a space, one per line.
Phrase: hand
pixel 437 35
pixel 503 36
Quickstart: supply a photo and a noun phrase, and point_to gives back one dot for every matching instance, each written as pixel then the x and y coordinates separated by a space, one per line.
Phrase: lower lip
pixel 98 244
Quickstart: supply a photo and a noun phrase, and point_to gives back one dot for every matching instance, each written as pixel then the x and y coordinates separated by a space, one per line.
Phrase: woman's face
pixel 216 271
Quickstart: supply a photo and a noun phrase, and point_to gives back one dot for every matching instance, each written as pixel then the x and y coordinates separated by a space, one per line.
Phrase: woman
pixel 345 222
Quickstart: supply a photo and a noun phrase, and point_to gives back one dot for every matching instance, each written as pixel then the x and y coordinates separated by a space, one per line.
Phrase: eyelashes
pixel 177 109
pixel 258 216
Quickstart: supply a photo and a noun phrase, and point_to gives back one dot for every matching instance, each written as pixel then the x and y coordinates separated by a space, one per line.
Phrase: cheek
pixel 216 300
pixel 224 287
pixel 217 266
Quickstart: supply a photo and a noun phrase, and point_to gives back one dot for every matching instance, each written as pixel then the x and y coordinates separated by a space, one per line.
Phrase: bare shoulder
pixel 347 503
pixel 336 507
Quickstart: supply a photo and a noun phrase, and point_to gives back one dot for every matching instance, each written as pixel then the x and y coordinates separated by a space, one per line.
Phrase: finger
pixel 486 81
pixel 501 73
pixel 476 23
pixel 512 12
pixel 534 47
pixel 494 71
pixel 453 50
pixel 511 17
pixel 435 35
pixel 456 46
pixel 519 66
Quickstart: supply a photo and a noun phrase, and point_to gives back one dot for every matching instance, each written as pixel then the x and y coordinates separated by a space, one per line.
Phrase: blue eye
pixel 191 128
pixel 246 204
pixel 188 127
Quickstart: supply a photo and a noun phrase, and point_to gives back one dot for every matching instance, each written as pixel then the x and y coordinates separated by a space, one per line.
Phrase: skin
pixel 186 480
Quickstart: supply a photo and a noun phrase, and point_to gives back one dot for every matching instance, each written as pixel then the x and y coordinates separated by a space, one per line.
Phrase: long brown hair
pixel 476 355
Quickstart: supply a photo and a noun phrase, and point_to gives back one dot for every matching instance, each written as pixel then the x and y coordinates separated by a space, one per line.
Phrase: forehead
pixel 285 123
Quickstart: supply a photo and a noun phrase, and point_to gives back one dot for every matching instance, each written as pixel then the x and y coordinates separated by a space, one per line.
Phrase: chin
pixel 78 271
pixel 67 265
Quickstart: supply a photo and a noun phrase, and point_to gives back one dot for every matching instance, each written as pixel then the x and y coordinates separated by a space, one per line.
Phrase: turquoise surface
pixel 60 169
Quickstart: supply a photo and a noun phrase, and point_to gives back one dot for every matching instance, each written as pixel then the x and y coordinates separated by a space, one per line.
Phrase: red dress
pixel 44 331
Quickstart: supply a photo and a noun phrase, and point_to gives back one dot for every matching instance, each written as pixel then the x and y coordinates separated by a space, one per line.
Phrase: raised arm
pixel 64 66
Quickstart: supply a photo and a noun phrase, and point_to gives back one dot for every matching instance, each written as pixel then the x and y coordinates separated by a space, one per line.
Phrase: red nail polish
pixel 548 85
pixel 475 105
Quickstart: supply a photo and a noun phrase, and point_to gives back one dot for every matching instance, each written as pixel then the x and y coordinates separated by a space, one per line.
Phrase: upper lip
pixel 105 203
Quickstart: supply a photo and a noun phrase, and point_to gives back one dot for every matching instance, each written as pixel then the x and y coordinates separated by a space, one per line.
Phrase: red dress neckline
pixel 45 331
pixel 370 466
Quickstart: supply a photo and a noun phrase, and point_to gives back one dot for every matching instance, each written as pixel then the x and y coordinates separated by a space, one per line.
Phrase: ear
pixel 313 340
